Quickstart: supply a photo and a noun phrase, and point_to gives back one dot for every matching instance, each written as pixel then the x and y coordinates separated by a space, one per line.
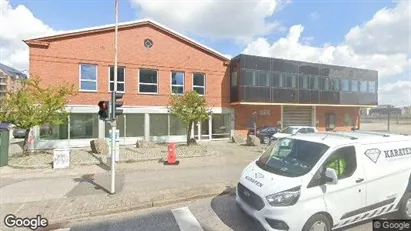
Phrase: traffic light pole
pixel 113 117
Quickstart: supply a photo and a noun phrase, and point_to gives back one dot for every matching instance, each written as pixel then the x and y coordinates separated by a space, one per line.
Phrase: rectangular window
pixel 88 77
pixel 199 83
pixel 135 125
pixel 363 86
pixel 314 83
pixel 345 85
pixel 290 80
pixel 325 84
pixel 234 78
pixel 276 80
pixel 303 82
pixel 148 81
pixel 262 79
pixel 371 86
pixel 354 85
pixel 83 126
pixel 121 76
pixel 177 82
pixel 120 126
pixel 158 124
pixel 176 127
pixel 334 84
pixel 221 126
pixel 249 78
pixel 329 121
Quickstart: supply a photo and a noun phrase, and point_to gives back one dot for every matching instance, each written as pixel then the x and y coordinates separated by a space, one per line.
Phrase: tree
pixel 189 108
pixel 34 105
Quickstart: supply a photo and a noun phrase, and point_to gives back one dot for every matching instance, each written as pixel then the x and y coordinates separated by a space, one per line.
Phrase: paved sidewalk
pixel 62 196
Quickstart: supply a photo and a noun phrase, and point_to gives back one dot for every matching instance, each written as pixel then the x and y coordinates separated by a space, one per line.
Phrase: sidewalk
pixel 61 197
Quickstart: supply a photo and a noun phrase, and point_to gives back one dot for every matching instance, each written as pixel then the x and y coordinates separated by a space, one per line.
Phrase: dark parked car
pixel 19 132
pixel 264 133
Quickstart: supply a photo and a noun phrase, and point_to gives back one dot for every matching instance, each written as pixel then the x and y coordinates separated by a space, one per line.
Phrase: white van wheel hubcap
pixel 319 226
pixel 408 207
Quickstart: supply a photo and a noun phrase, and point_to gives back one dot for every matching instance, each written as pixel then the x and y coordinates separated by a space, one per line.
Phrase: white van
pixel 328 180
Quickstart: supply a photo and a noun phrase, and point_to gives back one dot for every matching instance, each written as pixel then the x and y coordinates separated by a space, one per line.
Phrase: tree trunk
pixel 189 133
pixel 25 142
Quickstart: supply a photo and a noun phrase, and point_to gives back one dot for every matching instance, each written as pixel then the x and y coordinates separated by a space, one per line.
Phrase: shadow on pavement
pixel 101 164
pixel 89 184
pixel 231 215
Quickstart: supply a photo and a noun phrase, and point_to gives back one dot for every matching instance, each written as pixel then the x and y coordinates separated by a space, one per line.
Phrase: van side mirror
pixel 331 176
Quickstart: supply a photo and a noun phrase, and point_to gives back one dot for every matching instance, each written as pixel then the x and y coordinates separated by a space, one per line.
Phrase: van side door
pixel 348 194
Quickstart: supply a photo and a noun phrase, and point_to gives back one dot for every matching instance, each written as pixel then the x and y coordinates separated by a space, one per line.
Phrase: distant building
pixel 406 110
pixel 9 79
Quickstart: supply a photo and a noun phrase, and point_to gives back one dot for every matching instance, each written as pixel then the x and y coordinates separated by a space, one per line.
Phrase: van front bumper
pixel 274 218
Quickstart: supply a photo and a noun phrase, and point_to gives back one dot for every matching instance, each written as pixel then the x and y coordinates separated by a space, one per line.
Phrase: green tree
pixel 189 108
pixel 32 105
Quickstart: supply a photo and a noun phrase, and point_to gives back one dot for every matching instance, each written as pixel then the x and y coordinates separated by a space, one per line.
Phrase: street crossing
pixel 213 214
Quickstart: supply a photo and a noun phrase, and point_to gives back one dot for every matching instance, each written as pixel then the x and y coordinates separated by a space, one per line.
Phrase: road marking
pixel 66 229
pixel 186 220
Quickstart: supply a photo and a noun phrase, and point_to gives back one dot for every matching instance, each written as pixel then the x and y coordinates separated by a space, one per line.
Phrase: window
pixel 262 79
pixel 348 120
pixel 290 81
pixel 354 85
pixel 177 82
pixel 158 124
pixel 176 127
pixel 303 82
pixel 310 130
pixel 148 81
pixel 249 78
pixel 334 84
pixel 371 86
pixel 221 126
pixel 325 84
pixel 121 74
pixel 345 85
pixel 329 121
pixel 135 125
pixel 363 86
pixel 234 78
pixel 199 83
pixel 120 126
pixel 276 80
pixel 343 161
pixel 88 77
pixel 83 126
pixel 314 82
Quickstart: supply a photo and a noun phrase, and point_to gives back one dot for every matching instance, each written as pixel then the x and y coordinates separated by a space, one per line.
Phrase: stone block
pixel 99 146
pixel 253 140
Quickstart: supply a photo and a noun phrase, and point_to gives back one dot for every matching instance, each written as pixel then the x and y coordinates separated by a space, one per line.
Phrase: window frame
pixel 148 84
pixel 109 81
pixel 174 85
pixel 301 79
pixel 366 86
pixel 352 83
pixel 193 86
pixel 327 120
pixel 257 78
pixel 348 85
pixel 369 82
pixel 87 80
pixel 336 152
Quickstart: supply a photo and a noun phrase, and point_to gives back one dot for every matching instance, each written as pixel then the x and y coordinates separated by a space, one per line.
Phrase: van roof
pixel 339 138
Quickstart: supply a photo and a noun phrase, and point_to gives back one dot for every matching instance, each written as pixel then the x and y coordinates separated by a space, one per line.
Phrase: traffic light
pixel 104 112
pixel 115 110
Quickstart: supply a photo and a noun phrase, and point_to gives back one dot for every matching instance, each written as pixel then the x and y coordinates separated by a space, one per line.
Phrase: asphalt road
pixel 212 214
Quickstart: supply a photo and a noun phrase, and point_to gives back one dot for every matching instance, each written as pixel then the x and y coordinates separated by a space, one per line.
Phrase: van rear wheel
pixel 318 222
pixel 405 206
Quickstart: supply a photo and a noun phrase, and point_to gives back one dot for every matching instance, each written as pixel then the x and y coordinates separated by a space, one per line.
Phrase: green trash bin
pixel 4 147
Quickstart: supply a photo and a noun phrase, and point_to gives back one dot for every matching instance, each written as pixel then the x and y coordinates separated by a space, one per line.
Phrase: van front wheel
pixel 318 222
pixel 405 206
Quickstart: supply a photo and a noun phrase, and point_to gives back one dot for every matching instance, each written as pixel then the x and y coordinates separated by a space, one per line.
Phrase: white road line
pixel 66 229
pixel 186 220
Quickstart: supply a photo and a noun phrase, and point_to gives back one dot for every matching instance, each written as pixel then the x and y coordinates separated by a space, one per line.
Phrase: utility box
pixel 4 147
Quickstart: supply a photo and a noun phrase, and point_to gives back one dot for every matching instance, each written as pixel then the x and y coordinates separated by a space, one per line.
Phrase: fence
pixel 392 123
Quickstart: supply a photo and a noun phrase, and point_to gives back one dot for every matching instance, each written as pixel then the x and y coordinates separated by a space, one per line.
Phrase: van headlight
pixel 285 198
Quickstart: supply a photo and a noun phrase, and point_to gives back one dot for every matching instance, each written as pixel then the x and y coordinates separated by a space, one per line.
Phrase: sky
pixel 372 34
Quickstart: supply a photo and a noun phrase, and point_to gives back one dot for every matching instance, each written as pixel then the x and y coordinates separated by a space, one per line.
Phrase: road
pixel 212 214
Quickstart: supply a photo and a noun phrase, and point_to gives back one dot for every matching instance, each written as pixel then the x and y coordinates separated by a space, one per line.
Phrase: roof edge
pixel 41 40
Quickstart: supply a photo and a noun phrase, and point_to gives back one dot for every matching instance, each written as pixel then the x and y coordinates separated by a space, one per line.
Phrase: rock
pixel 145 144
pixel 99 146
pixel 238 138
pixel 253 140
pixel 192 141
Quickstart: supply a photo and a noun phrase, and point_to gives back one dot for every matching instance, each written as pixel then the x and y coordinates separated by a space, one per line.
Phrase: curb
pixel 153 203
pixel 43 166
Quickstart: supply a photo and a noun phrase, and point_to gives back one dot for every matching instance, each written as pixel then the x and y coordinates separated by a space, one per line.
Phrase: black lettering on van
pixel 387 153
pixel 397 152
pixel 259 184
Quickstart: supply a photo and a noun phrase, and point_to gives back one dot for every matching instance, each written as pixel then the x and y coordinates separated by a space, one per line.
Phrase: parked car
pixel 19 132
pixel 291 130
pixel 264 133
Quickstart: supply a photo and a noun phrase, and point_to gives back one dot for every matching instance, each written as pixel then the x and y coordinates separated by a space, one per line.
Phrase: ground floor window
pixel 158 124
pixel 221 126
pixel 329 121
pixel 176 127
pixel 120 126
pixel 135 125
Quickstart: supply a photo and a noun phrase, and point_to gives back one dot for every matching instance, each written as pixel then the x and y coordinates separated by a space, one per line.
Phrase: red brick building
pixel 154 61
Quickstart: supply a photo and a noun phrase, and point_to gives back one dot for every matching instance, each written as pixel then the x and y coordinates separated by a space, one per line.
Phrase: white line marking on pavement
pixel 186 220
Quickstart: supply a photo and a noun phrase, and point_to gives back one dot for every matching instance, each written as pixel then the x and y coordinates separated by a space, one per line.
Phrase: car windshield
pixel 291 157
pixel 289 130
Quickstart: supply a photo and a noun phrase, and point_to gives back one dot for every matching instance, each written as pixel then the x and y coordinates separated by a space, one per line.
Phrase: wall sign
pixel 264 112
pixel 148 43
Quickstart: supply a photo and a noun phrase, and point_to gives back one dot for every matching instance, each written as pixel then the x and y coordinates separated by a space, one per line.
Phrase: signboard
pixel 61 158
pixel 117 135
pixel 265 112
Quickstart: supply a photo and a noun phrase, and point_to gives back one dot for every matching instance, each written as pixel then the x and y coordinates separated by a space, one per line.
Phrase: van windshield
pixel 291 157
